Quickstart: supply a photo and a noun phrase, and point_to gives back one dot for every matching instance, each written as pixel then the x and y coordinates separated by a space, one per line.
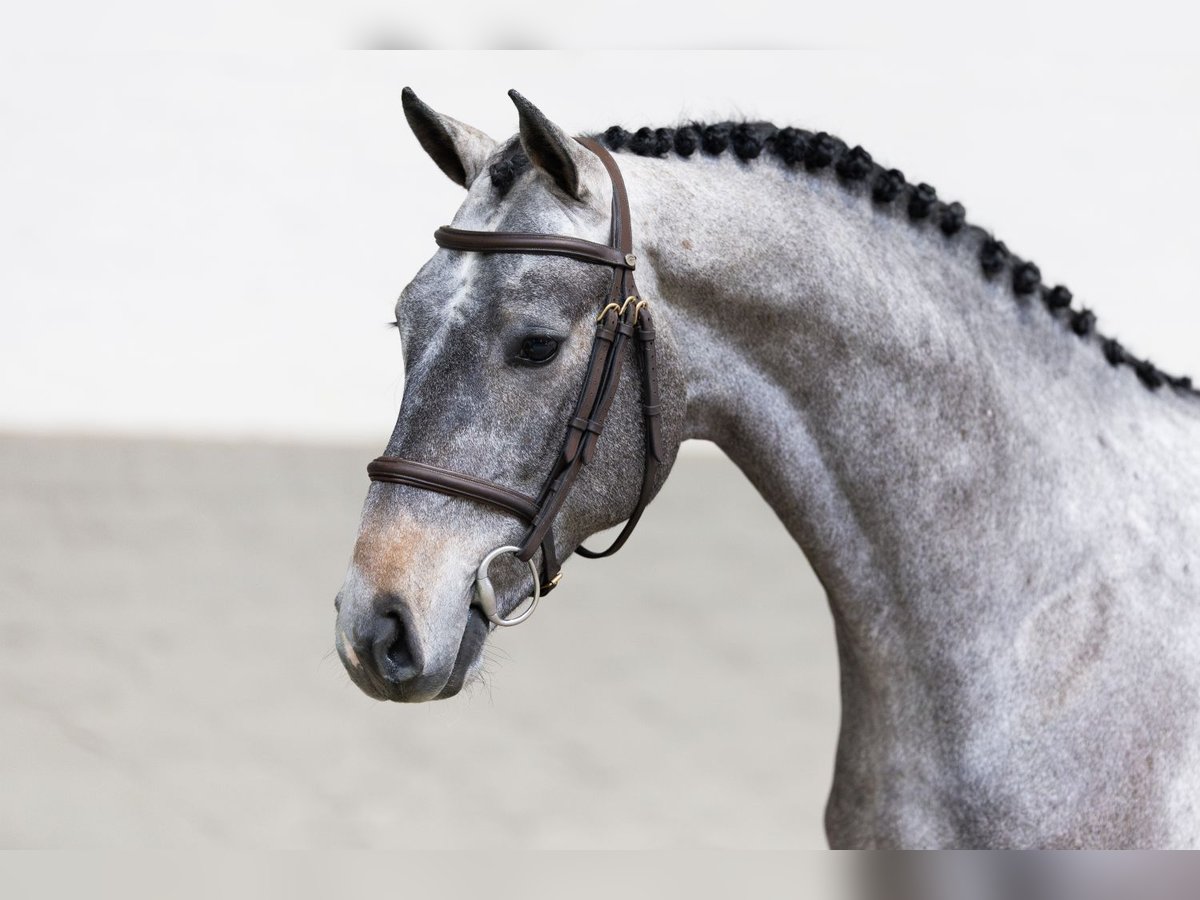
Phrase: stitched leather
pixel 651 407
pixel 606 334
pixel 395 470
pixel 608 389
pixel 521 242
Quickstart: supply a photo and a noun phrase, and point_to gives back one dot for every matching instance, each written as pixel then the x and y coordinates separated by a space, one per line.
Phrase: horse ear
pixel 553 151
pixel 459 150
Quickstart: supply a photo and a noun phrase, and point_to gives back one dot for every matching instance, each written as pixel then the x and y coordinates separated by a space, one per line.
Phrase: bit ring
pixel 485 594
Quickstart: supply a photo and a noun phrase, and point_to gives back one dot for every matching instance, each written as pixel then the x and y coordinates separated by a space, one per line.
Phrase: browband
pixel 521 242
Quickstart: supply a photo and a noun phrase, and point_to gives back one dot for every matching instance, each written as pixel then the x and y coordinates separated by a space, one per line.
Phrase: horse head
pixel 508 358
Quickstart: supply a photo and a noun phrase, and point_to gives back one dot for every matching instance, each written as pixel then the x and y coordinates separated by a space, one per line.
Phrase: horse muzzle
pixel 384 655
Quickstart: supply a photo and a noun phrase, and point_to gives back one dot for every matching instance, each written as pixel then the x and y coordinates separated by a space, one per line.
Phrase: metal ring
pixel 485 594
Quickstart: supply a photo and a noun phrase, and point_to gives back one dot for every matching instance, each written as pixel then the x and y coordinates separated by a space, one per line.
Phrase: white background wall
pixel 211 244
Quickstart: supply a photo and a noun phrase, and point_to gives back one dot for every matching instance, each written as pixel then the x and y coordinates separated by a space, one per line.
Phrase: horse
pixel 1001 503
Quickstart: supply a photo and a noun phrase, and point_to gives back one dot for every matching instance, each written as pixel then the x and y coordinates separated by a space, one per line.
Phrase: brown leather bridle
pixel 624 315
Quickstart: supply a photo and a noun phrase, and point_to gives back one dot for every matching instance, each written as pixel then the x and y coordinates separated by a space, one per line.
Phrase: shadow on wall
pixel 168 676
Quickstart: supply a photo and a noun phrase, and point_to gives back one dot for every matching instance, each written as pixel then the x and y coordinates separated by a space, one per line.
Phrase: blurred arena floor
pixel 167 677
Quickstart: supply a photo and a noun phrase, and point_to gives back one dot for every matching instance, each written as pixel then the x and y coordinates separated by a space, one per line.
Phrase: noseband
pixel 623 316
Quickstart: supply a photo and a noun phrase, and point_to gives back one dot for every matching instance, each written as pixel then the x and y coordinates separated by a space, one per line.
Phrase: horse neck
pixel 933 442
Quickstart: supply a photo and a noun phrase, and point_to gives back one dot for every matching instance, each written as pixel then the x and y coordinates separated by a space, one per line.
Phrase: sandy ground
pixel 167 680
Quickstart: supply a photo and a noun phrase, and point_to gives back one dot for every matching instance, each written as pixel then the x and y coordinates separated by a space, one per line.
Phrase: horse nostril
pixel 396 651
pixel 399 653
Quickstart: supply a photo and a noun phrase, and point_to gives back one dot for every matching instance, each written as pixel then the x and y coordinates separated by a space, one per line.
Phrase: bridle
pixel 623 316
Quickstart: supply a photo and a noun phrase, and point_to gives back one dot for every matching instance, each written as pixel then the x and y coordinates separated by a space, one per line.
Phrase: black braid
pixel 1083 322
pixel 921 201
pixel 954 216
pixel 504 171
pixel 1027 278
pixel 819 151
pixel 716 138
pixel 687 139
pixel 746 143
pixel 888 186
pixel 1114 352
pixel 1058 298
pixel 652 141
pixel 641 142
pixel 615 137
pixel 855 165
pixel 993 256
pixel 1150 376
pixel 790 144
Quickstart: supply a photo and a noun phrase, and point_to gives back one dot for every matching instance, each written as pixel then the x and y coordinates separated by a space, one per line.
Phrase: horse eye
pixel 538 350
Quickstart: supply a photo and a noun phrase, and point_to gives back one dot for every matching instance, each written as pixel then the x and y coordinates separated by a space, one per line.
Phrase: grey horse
pixel 1002 505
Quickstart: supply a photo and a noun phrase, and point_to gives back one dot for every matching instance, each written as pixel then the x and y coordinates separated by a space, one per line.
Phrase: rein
pixel 625 315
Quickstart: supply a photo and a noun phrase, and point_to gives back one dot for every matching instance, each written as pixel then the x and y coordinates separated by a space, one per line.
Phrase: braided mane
pixel 815 152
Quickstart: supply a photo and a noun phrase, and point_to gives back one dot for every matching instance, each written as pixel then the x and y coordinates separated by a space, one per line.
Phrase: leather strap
pixel 624 317
pixel 621 230
pixel 606 334
pixel 651 404
pixel 395 470
pixel 597 400
pixel 521 242
pixel 608 387
pixel 650 416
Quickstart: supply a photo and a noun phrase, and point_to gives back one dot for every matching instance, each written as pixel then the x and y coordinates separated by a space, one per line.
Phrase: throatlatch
pixel 625 315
